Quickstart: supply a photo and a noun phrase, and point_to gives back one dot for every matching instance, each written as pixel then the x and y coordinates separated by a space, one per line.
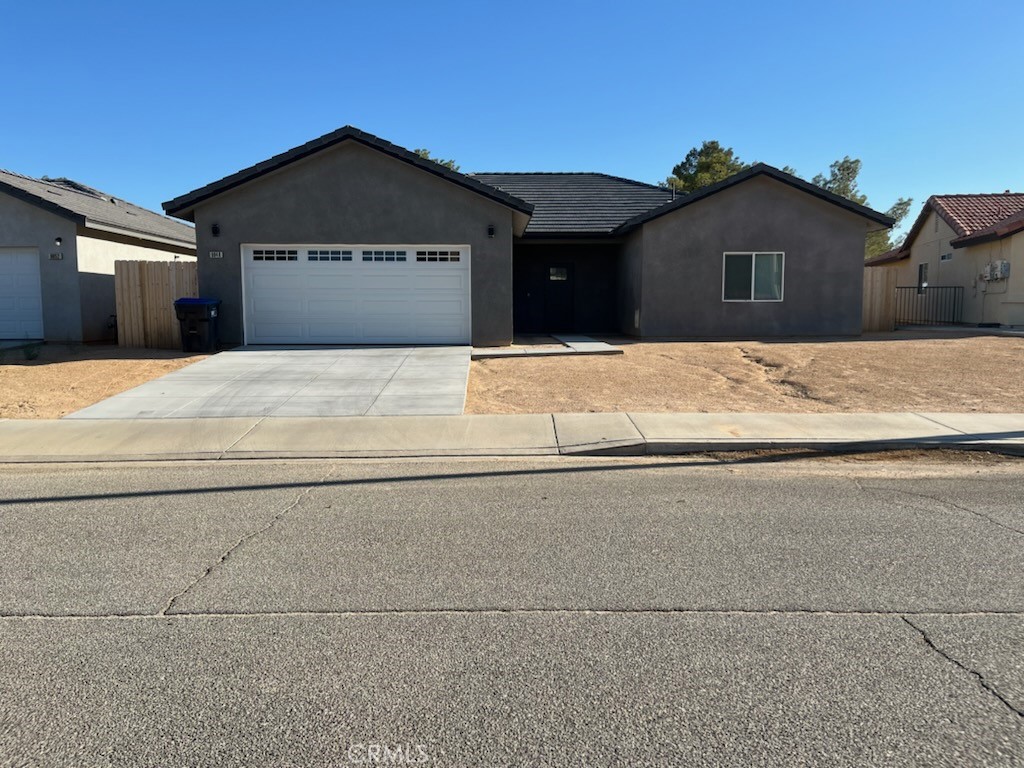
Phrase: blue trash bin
pixel 198 321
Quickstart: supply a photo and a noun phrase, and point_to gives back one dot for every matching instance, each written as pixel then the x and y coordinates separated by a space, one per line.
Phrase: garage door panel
pixel 267 305
pixel 21 302
pixel 277 332
pixel 385 283
pixel 273 281
pixel 329 331
pixel 449 282
pixel 383 301
pixel 374 308
pixel 332 280
pixel 333 307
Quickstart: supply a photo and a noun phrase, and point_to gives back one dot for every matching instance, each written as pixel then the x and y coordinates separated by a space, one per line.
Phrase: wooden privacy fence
pixel 145 293
pixel 879 299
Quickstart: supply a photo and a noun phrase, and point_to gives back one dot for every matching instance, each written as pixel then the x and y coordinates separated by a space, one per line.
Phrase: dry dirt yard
pixel 905 371
pixel 66 378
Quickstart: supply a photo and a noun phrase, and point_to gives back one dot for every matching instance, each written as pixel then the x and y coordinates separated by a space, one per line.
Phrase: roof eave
pixel 887 258
pixel 137 234
pixel 184 205
pixel 987 237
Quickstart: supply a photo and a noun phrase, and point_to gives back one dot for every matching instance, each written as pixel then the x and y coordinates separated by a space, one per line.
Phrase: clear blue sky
pixel 150 100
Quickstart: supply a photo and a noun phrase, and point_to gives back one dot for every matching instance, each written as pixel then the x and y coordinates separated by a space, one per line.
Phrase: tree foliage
pixel 842 180
pixel 425 154
pixel 707 164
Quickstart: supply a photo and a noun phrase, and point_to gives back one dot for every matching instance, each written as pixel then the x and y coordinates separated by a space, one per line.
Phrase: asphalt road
pixel 587 612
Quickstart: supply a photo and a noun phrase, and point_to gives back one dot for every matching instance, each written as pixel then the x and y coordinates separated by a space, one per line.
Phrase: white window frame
pixel 753 267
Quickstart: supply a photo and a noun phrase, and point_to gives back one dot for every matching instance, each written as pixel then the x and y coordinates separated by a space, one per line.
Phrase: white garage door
pixel 356 294
pixel 21 300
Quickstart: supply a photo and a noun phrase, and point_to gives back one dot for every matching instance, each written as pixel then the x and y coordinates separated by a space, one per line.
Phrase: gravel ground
pixel 905 371
pixel 68 377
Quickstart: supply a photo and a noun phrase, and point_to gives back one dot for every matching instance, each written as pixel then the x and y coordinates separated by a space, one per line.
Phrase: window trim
pixel 753 268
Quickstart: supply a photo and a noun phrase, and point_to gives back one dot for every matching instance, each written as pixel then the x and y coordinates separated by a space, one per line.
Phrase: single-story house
pixel 973 244
pixel 58 243
pixel 352 239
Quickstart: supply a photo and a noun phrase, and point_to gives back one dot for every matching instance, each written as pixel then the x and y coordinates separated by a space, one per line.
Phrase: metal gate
pixel 933 305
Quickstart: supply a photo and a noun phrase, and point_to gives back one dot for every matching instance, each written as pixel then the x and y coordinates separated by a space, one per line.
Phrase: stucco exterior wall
pixel 97 252
pixel 1000 301
pixel 631 264
pixel 823 272
pixel 27 226
pixel 352 194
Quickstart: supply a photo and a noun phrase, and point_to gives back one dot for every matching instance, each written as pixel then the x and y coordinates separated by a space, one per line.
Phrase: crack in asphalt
pixel 937 500
pixel 241 541
pixel 974 673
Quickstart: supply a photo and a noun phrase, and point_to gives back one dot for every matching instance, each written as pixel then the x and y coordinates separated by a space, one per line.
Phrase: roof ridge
pixel 982 194
pixel 569 173
pixel 184 203
pixel 67 184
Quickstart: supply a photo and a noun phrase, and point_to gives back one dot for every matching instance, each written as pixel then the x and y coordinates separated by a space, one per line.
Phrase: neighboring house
pixel 972 245
pixel 351 239
pixel 58 243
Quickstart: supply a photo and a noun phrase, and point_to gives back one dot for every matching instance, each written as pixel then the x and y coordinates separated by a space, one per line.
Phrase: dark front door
pixel 565 288
pixel 559 309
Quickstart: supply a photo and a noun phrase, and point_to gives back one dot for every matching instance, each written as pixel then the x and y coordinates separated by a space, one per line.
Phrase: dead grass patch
pixel 876 373
pixel 66 378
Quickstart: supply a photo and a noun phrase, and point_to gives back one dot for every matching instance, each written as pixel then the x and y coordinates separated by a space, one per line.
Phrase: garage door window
pixel 383 255
pixel 437 256
pixel 281 255
pixel 329 255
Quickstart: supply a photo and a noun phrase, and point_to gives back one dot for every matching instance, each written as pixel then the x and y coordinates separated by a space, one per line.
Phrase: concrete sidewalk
pixel 624 434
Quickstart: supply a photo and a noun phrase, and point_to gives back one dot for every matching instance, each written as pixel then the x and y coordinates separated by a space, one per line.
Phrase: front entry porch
pixel 565 288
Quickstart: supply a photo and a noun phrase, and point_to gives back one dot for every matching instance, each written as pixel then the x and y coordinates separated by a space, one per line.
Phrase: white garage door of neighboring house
pixel 356 294
pixel 21 298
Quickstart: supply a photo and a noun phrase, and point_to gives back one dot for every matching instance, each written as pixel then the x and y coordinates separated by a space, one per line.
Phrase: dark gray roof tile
pixel 578 203
pixel 90 206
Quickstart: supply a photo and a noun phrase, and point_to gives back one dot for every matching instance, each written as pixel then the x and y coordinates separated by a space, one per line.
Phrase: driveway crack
pixel 988 687
pixel 227 553
pixel 943 502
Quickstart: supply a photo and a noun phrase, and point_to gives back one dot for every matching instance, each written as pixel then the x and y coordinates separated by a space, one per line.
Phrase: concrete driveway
pixel 301 381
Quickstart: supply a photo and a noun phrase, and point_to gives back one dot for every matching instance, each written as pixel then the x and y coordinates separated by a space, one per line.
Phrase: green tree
pixel 707 164
pixel 425 154
pixel 842 180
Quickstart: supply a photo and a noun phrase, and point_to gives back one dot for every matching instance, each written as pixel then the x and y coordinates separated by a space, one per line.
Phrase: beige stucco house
pixel 975 242
pixel 59 240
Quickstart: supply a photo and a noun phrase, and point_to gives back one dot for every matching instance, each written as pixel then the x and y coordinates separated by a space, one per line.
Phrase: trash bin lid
pixel 193 302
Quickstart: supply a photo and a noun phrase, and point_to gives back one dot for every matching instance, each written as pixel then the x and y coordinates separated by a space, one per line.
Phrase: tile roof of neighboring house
pixel 182 206
pixel 1008 226
pixel 967 214
pixel 974 219
pixel 96 209
pixel 578 203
